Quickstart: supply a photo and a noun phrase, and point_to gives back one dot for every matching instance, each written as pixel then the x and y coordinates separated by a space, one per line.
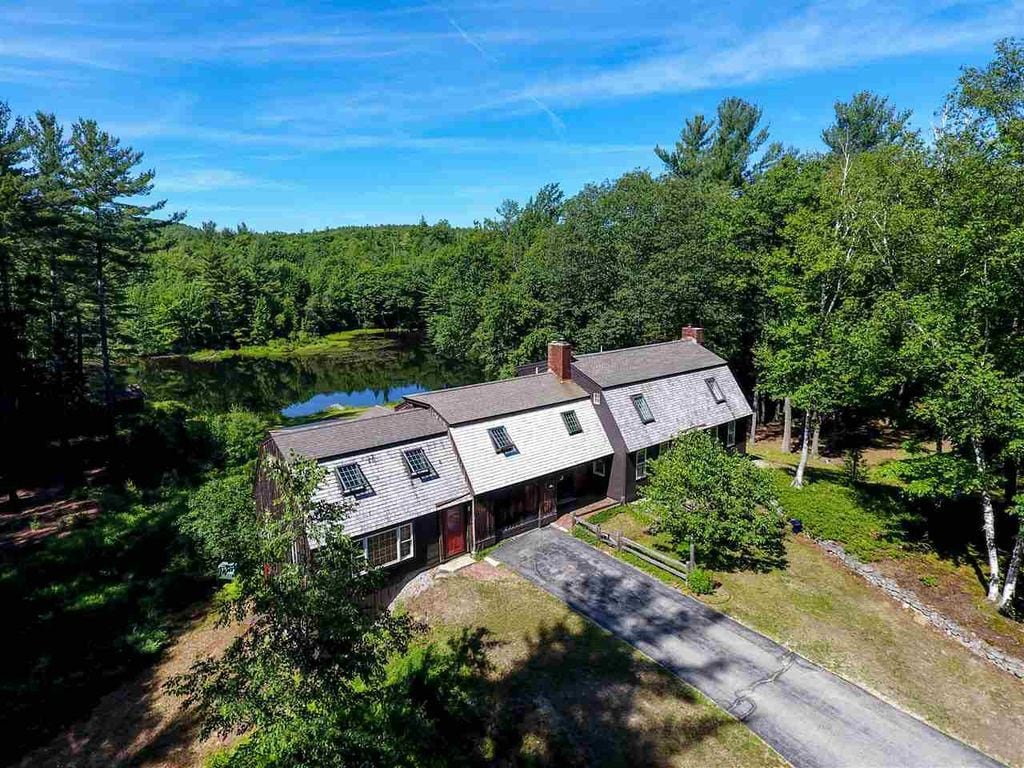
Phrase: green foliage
pixel 700 581
pixel 236 435
pixel 723 504
pixel 853 465
pixel 866 122
pixel 870 521
pixel 316 677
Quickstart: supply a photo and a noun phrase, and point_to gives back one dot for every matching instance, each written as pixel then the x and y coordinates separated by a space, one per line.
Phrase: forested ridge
pixel 881 276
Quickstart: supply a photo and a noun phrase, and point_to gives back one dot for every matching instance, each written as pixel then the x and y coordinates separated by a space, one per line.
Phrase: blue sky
pixel 290 115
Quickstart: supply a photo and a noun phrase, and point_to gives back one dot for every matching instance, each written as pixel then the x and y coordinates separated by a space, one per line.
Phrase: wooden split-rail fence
pixel 653 557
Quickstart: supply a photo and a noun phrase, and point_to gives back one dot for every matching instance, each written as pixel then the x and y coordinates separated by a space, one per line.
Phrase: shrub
pixel 721 502
pixel 700 582
pixel 853 465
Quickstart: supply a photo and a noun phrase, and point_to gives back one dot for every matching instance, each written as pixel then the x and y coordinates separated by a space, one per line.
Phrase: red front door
pixel 454 532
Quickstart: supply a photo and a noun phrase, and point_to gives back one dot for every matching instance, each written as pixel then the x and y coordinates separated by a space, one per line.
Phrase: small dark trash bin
pixel 798 525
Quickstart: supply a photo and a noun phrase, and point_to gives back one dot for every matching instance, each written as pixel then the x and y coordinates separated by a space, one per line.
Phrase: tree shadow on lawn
pixel 949 529
pixel 574 700
pixel 87 610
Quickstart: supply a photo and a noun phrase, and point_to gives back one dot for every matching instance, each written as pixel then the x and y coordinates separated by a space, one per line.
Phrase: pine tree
pixel 112 230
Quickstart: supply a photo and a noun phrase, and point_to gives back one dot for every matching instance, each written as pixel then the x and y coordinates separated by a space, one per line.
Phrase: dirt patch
pixel 485 572
pixel 46 516
pixel 955 592
pixel 141 724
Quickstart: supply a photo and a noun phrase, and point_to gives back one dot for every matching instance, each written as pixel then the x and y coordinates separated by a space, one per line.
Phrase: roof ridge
pixel 642 346
pixel 414 395
pixel 337 421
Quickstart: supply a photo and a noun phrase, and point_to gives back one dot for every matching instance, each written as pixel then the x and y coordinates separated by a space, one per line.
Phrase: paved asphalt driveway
pixel 812 717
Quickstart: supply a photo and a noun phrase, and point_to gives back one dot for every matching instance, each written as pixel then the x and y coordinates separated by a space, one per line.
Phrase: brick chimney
pixel 693 333
pixel 560 359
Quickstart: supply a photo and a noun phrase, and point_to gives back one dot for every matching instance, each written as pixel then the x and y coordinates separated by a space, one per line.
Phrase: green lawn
pixel 833 617
pixel 567 693
pixel 284 348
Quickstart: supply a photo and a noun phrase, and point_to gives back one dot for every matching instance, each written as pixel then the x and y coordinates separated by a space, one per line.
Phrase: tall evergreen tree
pixel 113 228
pixel 867 121
pixel 15 230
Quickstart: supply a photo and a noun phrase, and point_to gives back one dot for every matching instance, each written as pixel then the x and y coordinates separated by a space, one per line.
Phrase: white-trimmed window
pixel 596 398
pixel 641 464
pixel 599 467
pixel 388 547
pixel 730 434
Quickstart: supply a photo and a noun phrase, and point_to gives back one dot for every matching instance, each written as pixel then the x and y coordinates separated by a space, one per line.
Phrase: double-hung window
pixel 388 547
pixel 730 434
pixel 641 464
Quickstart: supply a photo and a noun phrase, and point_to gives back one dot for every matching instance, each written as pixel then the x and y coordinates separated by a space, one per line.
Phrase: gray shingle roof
pixel 678 403
pixel 497 398
pixel 395 496
pixel 624 366
pixel 373 429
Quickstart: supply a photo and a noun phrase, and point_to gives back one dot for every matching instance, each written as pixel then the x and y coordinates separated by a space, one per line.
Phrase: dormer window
pixel 500 440
pixel 643 410
pixel 716 390
pixel 352 479
pixel 572 422
pixel 417 463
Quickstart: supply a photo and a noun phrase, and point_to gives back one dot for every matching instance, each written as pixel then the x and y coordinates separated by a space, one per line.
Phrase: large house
pixel 454 471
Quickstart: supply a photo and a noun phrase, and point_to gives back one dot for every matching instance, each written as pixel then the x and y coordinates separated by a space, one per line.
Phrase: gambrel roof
pixel 394 496
pixel 475 402
pixel 375 428
pixel 677 403
pixel 624 366
pixel 542 445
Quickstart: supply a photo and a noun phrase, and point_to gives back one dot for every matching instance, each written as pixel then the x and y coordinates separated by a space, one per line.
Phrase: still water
pixel 375 369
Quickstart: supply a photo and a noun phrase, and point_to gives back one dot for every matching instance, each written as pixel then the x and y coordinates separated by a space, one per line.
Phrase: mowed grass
pixel 824 612
pixel 566 693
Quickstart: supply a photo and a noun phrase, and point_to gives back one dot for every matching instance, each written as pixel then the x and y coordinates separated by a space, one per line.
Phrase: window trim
pixel 603 463
pixel 717 393
pixel 730 434
pixel 428 468
pixel 576 428
pixel 595 398
pixel 354 491
pixel 641 465
pixel 365 542
pixel 499 447
pixel 640 405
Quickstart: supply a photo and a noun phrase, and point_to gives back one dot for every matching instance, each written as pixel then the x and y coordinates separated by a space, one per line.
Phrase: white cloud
pixel 212 179
pixel 824 37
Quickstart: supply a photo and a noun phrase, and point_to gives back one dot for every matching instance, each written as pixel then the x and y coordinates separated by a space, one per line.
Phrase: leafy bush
pixel 236 436
pixel 700 582
pixel 700 493
pixel 853 465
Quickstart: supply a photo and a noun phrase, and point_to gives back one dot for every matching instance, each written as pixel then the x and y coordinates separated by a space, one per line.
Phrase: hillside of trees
pixel 880 277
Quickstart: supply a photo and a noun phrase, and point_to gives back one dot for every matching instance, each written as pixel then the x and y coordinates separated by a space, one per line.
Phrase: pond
pixel 376 369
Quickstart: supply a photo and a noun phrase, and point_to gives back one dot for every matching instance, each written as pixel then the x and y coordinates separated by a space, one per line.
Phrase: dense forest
pixel 877 279
pixel 880 277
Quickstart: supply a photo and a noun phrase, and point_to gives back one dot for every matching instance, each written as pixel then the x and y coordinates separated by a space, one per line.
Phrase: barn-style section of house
pixel 456 470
